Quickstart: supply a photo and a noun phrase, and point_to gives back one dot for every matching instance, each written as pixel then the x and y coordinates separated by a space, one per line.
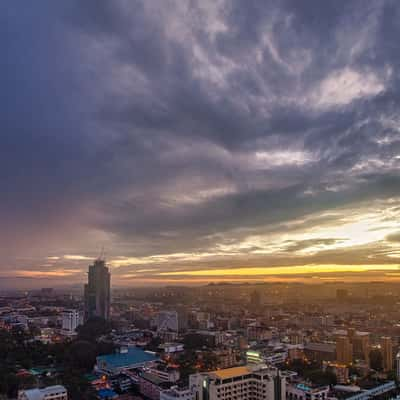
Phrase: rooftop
pixel 37 394
pixel 231 372
pixel 106 394
pixel 132 356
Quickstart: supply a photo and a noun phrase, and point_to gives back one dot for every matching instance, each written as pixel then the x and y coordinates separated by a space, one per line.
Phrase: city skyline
pixel 199 141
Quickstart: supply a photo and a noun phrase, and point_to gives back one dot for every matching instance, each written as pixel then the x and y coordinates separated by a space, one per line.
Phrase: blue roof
pixel 133 356
pixel 106 393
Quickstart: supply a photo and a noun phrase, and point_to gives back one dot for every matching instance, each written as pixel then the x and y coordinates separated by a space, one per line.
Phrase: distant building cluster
pixel 217 342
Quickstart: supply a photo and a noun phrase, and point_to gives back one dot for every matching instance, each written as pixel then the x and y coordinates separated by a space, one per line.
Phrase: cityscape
pixel 200 200
pixel 220 341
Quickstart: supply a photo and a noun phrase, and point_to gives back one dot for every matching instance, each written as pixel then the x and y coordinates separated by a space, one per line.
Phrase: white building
pixel 166 374
pixel 71 319
pixel 248 382
pixel 56 392
pixel 175 393
pixel 270 358
pixel 171 347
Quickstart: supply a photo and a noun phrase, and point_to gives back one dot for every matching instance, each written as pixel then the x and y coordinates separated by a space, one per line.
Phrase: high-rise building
pixel 398 366
pixel 71 319
pixel 361 346
pixel 247 382
pixel 387 353
pixel 344 350
pixel 97 291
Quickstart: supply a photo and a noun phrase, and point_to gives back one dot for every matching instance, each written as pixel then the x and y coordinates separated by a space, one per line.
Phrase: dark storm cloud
pixel 158 127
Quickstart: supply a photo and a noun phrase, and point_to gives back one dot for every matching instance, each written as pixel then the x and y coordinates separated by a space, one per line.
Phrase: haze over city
pixel 195 142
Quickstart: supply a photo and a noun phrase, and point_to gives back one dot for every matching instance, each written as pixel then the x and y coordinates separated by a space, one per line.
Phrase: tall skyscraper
pixel 344 350
pixel 97 291
pixel 387 353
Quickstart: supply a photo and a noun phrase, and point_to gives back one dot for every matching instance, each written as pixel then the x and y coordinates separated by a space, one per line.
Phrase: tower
pixel 398 366
pixel 344 350
pixel 97 291
pixel 387 353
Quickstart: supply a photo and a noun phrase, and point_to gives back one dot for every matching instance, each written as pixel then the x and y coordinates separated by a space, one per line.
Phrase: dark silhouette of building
pixel 97 291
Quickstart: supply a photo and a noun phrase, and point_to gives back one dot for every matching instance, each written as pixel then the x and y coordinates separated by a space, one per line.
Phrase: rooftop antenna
pixel 102 254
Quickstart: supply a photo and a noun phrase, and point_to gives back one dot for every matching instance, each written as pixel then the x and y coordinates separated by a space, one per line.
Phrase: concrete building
pixel 97 291
pixel 151 385
pixel 361 346
pixel 344 350
pixel 166 373
pixel 176 393
pixel 387 353
pixel 171 347
pixel 56 392
pixel 71 319
pixel 244 383
pixel 302 391
pixel 320 352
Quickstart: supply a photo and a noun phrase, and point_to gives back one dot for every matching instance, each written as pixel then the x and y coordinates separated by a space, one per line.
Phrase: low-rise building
pixel 302 391
pixel 126 358
pixel 151 385
pixel 56 392
pixel 176 393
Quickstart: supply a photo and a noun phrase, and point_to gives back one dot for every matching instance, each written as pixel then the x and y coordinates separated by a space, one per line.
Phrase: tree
pixel 82 355
pixel 93 329
pixel 321 377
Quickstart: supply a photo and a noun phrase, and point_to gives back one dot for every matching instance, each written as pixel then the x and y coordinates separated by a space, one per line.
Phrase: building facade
pixel 245 383
pixel 56 392
pixel 176 393
pixel 97 291
pixel 387 353
pixel 71 319
pixel 344 350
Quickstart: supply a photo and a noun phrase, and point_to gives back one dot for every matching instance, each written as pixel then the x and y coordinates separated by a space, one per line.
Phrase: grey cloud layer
pixel 172 126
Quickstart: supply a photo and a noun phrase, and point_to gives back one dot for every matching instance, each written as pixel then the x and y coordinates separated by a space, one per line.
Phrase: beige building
pixel 387 353
pixel 344 350
pixel 257 382
pixel 361 346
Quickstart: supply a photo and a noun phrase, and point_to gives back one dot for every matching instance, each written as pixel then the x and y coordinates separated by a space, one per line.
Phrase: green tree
pixel 93 329
pixel 82 355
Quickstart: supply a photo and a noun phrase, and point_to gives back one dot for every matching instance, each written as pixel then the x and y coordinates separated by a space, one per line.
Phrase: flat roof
pixel 132 356
pixel 231 372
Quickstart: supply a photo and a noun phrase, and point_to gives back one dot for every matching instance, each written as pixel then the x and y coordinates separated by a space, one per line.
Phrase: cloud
pixel 344 86
pixel 394 237
pixel 197 132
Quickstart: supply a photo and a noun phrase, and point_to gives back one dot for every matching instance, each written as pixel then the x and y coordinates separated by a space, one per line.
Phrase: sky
pixel 197 141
